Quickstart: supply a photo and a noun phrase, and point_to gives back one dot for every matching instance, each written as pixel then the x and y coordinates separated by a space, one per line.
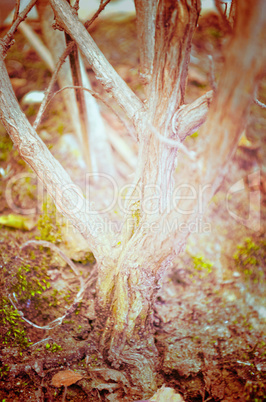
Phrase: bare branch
pixel 223 15
pixel 81 103
pixel 175 25
pixel 37 44
pixel 211 74
pixel 104 72
pixel 173 143
pixel 48 92
pixel 70 203
pixel 62 59
pixel 102 6
pixel 229 110
pixel 16 12
pixel 99 97
pixel 6 42
pixel 146 15
pixel 259 103
pixel 190 117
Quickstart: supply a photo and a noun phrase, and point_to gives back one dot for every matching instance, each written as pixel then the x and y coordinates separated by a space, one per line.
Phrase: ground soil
pixel 210 312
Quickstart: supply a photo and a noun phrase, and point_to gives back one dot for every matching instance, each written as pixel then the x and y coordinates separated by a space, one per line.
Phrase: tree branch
pixel 146 15
pixel 16 12
pixel 6 42
pixel 229 110
pixel 104 72
pixel 190 117
pixel 175 25
pixel 68 197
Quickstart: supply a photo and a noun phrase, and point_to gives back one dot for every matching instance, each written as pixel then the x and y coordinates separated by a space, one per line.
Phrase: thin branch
pixel 16 12
pixel 99 97
pixel 223 15
pixel 211 74
pixel 173 143
pixel 146 15
pixel 76 6
pixel 104 72
pixel 259 103
pixel 37 44
pixel 74 64
pixel 48 92
pixel 70 203
pixel 65 54
pixel 189 118
pixel 102 6
pixel 7 41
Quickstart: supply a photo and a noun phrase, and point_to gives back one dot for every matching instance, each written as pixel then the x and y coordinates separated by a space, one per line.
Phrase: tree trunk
pixel 132 263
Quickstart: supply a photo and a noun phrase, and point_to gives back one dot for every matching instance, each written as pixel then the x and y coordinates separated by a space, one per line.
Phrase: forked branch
pixel 104 72
pixel 68 197
pixel 7 40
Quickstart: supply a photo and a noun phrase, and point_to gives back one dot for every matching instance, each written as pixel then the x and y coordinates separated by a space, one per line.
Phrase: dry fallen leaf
pixel 166 394
pixel 66 378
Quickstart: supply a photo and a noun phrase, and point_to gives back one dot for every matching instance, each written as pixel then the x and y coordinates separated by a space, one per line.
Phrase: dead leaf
pixel 66 378
pixel 166 394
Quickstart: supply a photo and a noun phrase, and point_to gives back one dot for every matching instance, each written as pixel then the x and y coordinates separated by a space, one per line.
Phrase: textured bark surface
pixel 68 198
pixel 104 72
pixel 95 135
pixel 146 14
pixel 132 263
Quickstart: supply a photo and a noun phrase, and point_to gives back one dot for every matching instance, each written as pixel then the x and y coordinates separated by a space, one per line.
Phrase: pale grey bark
pixel 104 72
pixel 146 16
pixel 68 198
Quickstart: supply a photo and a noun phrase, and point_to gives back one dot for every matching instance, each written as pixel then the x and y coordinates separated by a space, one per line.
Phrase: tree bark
pixel 104 72
pixel 130 274
pixel 67 196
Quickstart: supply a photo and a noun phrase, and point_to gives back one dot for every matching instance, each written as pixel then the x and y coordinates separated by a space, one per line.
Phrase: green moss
pixel 250 260
pixel 53 348
pixel 88 258
pixel 3 371
pixel 203 267
pixel 29 281
pixel 12 331
pixel 6 146
pixel 47 224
